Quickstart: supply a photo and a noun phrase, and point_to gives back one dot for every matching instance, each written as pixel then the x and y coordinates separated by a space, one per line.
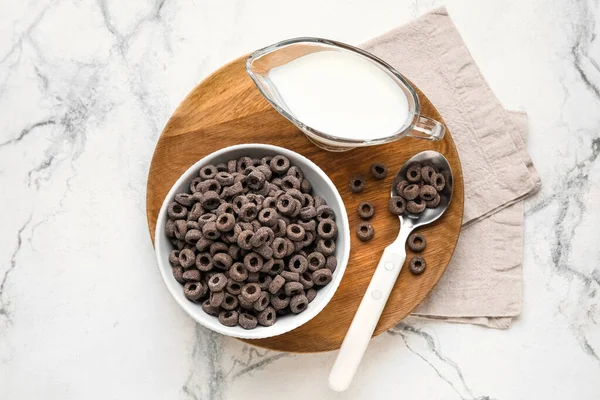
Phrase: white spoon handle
pixel 366 318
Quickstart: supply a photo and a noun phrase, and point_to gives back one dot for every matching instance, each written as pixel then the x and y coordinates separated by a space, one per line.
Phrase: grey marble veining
pixel 87 86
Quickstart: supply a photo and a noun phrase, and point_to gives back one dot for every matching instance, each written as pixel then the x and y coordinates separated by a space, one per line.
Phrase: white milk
pixel 341 94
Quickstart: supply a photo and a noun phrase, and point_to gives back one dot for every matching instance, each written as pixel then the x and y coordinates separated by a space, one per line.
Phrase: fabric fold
pixel 483 282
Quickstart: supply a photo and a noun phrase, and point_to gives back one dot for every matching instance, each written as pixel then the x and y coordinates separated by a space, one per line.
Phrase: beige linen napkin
pixel 482 284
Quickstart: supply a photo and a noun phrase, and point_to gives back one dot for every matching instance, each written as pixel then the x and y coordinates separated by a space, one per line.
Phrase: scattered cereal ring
pixel 357 184
pixel 365 209
pixel 416 242
pixel 365 231
pixel 379 170
pixel 417 265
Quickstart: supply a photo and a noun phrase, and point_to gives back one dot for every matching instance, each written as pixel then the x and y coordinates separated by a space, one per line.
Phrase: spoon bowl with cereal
pixel 421 192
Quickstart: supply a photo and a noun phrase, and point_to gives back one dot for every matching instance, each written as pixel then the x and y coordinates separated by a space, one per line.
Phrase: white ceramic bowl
pixel 322 186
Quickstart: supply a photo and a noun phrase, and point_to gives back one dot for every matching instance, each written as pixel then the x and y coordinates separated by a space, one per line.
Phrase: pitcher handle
pixel 429 129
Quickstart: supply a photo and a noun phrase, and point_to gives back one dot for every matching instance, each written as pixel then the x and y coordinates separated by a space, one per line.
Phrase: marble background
pixel 85 89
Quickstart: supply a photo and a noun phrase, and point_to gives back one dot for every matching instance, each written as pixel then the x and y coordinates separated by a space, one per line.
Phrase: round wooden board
pixel 227 109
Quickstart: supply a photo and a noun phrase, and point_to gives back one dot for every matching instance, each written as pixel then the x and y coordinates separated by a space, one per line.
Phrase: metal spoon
pixel 383 280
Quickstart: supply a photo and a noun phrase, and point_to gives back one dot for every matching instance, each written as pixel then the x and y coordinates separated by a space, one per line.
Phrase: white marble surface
pixel 85 89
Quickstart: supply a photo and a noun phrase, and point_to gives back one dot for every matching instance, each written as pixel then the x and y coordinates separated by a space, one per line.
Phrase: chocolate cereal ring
pixel 400 186
pixel 413 173
pixel 233 287
pixel 210 200
pixel 307 213
pixel 364 231
pixel 415 206
pixel 416 242
pixel 248 212
pixel 438 182
pixel 224 208
pixel 417 265
pixel 357 184
pixel 428 193
pixel 435 202
pixel 176 211
pixel 327 229
pixel 427 173
pixel 298 264
pixel 396 205
pixel 210 231
pixel 224 178
pixel 243 163
pixel 306 280
pixel 379 170
pixel 279 247
pixel 326 246
pixel 244 239
pixel 251 292
pixel 311 294
pixel 290 276
pixel 186 258
pixel 247 321
pixel 322 277
pixel 315 261
pixel 204 261
pixel 276 284
pixel 280 300
pixel 178 274
pixel 267 317
pixel 215 299
pixel 309 226
pixel 265 251
pixel 228 318
pixel 255 180
pixel 238 272
pixel 331 263
pixel 263 301
pixel 253 262
pixel 225 222
pixel 210 310
pixel 293 288
pixel 264 281
pixel 279 164
pixel 193 290
pixel 222 261
pixel 298 303
pixel 411 192
pixel 230 303
pixel 325 212
pixel 191 275
pixel 185 199
pixel 207 172
pixel 305 186
pixel 286 204
pixel 295 232
pixel 365 209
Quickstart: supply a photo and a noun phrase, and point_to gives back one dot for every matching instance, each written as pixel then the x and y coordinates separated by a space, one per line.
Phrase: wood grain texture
pixel 227 109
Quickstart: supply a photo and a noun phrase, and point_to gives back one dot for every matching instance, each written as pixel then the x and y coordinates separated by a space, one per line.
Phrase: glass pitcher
pixel 263 61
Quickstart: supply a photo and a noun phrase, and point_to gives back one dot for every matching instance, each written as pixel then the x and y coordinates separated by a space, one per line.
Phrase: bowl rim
pixel 270 331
